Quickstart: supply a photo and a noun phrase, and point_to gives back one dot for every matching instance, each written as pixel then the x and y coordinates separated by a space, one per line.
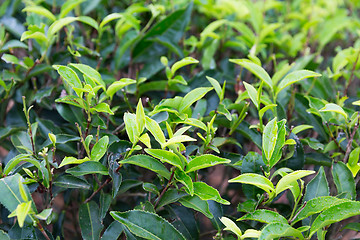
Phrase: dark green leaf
pixel 317 205
pixel 148 163
pixel 89 167
pixel 147 225
pixel 335 214
pixel 69 181
pixel 197 204
pixel 317 187
pixel 275 230
pixel 264 216
pixel 344 180
pixel 89 220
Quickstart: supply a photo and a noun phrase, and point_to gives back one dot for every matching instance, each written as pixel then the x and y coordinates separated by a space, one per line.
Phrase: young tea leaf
pixel 205 161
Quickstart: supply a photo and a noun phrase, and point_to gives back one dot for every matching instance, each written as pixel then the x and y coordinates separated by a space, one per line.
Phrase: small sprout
pixel 52 138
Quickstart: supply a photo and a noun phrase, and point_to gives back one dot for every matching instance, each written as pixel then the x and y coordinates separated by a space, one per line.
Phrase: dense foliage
pixel 179 119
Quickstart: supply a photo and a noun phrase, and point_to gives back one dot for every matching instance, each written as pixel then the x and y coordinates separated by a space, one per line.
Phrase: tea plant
pixel 179 119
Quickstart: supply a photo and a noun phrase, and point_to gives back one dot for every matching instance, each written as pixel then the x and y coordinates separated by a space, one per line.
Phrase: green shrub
pixel 221 119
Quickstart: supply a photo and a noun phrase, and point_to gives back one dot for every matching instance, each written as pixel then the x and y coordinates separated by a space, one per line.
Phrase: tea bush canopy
pixel 179 119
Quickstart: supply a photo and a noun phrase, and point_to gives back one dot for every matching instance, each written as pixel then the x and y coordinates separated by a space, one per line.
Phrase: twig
pixel 40 227
pixel 32 67
pixel 165 189
pixel 302 208
pixel 119 128
pixel 98 190
pixel 333 138
pixel 348 146
pixel 352 73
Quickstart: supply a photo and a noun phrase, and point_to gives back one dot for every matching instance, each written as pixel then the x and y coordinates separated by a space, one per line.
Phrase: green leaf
pixel 318 186
pixel 231 226
pixel 256 180
pixel 21 212
pixel 344 180
pixel 69 76
pixel 255 69
pixel 149 187
pixel 4 235
pixel 294 77
pixel 58 24
pixel 70 181
pixel 170 196
pixel 131 129
pixel 335 214
pixel 8 58
pixel 40 11
pixel 354 157
pixel 90 167
pixel 110 18
pixel 102 107
pixel 113 231
pixel 168 32
pixel 89 220
pixel 270 138
pixel 166 156
pixel 178 139
pixel 89 21
pixel 206 192
pixel 185 179
pixel 205 161
pixel 117 85
pixel 147 225
pixel 197 204
pixel 72 160
pixel 286 181
pixel 316 205
pixel 140 117
pixel 90 73
pixel 155 130
pixel 276 230
pixel 68 6
pixel 145 139
pixel 332 107
pixel 183 62
pixel 73 100
pixel 252 93
pixel 216 86
pixel 18 159
pixel 99 149
pixel 10 188
pixel 148 163
pixel 264 216
pixel 192 97
pixel 44 215
pixel 301 128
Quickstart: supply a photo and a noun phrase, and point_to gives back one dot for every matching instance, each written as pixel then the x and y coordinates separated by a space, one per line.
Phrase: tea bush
pixel 179 119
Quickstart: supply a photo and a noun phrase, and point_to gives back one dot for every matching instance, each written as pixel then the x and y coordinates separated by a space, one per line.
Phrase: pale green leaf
pixel 40 11
pixel 252 93
pixel 205 161
pixel 155 130
pixel 286 181
pixel 332 107
pixel 192 97
pixel 294 77
pixel 255 69
pixel 256 180
pixel 183 62
pixel 99 149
